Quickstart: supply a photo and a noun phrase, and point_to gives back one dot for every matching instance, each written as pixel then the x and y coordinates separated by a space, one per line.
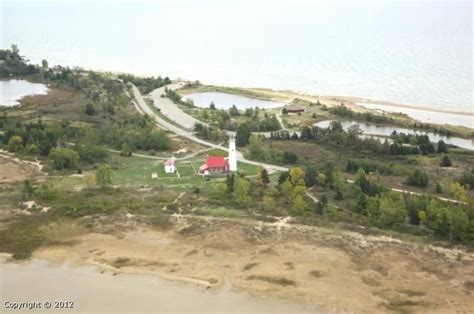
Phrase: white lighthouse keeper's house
pixel 232 158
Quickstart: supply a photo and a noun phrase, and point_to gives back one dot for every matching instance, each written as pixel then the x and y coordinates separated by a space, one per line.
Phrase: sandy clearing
pixel 308 265
pixel 13 169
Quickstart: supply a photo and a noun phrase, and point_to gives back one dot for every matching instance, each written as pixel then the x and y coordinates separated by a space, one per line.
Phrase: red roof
pixel 216 162
pixel 169 162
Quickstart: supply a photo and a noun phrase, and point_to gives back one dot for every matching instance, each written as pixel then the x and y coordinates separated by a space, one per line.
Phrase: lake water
pixel 93 292
pixel 414 52
pixel 13 90
pixel 376 130
pixel 427 116
pixel 226 101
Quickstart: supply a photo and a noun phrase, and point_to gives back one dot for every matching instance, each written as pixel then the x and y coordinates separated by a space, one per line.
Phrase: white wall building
pixel 170 166
pixel 232 158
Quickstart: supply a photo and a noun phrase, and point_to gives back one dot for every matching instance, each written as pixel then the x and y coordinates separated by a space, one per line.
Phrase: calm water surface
pixel 13 90
pixel 415 52
pixel 225 101
pixel 372 129
pixel 93 292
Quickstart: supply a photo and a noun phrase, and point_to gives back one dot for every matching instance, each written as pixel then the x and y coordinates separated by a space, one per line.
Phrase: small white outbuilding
pixel 170 166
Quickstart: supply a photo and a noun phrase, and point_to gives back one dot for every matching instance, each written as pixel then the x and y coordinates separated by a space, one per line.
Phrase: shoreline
pixel 354 102
pixel 351 98
pixel 240 263
pixel 146 291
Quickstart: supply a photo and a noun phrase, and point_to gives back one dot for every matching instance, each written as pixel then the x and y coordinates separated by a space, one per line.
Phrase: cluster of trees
pixel 145 84
pixel 12 63
pixel 467 179
pixel 134 133
pixel 209 133
pixel 32 137
pixel 257 151
pixel 335 135
pixel 418 178
pixel 174 96
pixel 422 142
pixel 39 138
pixel 284 135
pixel 395 210
pixel 368 166
pixel 288 195
pixel 348 113
pixel 253 120
pixel 64 158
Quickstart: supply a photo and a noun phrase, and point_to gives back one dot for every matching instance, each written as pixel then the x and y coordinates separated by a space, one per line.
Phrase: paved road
pixel 161 102
pixel 170 109
pixel 166 103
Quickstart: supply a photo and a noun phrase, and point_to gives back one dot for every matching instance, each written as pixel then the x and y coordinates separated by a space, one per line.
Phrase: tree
pixel 459 223
pixel 229 181
pixel 256 150
pixel 290 158
pixel 233 111
pixel 242 135
pixel 321 205
pixel 418 178
pixel 103 176
pixel 63 158
pixel 15 143
pixel 442 147
pixel 212 106
pixel 286 189
pixel 438 188
pixel 297 176
pixel 298 205
pixel 329 173
pixel 361 203
pixel 90 110
pixel 283 177
pixel 362 181
pixel 44 64
pixel 264 176
pixel 321 179
pixel 268 203
pixel 445 161
pixel 391 211
pixel 90 153
pixel 242 191
pixel 437 218
pixel 310 176
pixel 457 191
pixel 28 189
pixel 126 151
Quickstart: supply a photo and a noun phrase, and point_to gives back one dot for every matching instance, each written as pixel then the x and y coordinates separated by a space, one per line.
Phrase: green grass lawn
pixel 136 171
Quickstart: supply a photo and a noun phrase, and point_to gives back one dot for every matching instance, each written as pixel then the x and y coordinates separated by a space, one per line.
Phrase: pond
pixel 225 101
pixel 13 90
pixel 377 130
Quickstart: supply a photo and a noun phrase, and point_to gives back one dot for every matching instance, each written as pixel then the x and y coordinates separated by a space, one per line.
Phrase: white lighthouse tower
pixel 232 159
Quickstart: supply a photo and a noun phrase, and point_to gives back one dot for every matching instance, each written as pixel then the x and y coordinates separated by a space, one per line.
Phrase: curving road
pixel 166 105
pixel 174 113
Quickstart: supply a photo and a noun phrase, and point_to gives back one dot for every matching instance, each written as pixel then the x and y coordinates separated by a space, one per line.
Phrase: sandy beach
pixel 306 267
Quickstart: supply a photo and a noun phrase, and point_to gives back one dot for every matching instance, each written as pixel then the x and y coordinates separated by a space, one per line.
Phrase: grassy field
pixel 137 171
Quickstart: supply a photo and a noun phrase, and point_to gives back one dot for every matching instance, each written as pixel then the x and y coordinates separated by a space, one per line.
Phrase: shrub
pixel 63 158
pixel 445 161
pixel 418 178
